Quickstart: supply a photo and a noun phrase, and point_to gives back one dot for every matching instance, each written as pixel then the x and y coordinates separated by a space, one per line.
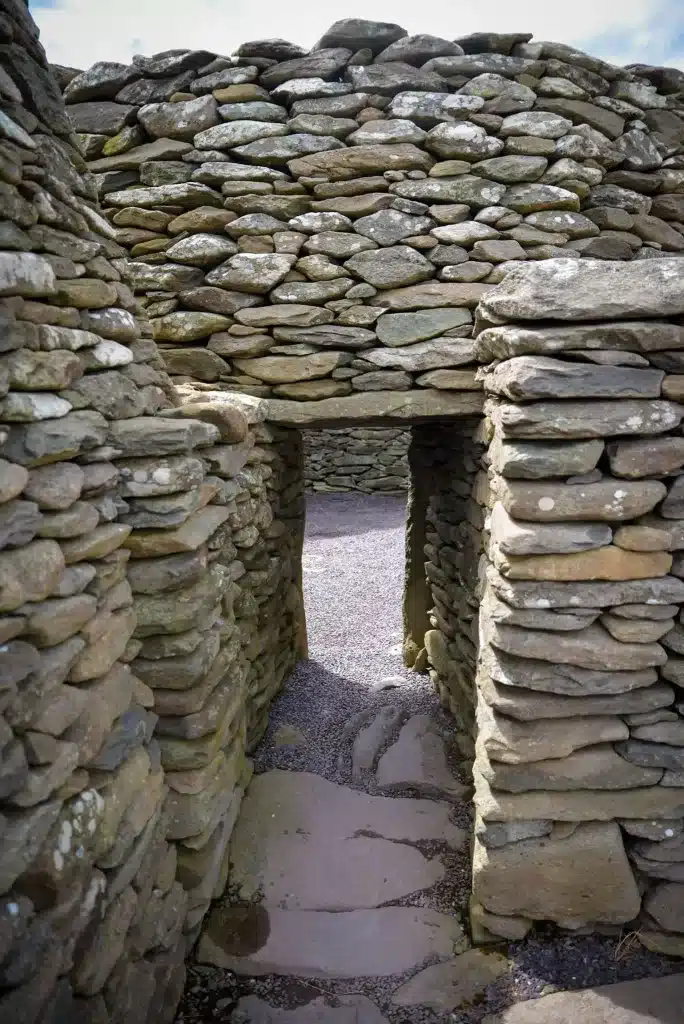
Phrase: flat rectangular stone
pixel 526 378
pixel 320 944
pixel 158 435
pixel 581 805
pixel 628 336
pixel 570 680
pixel 375 407
pixel 592 648
pixel 564 420
pixel 663 590
pixel 589 290
pixel 530 705
pixel 189 536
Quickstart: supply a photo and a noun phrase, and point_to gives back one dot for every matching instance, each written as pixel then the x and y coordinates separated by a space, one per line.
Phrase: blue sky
pixel 80 32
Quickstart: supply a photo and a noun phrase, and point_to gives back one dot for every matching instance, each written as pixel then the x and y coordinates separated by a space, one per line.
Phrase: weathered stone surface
pixel 595 768
pixel 526 378
pixel 378 406
pixel 607 563
pixel 563 420
pixel 417 761
pixel 514 742
pixel 592 648
pixel 531 705
pixel 608 500
pixel 424 355
pixel 404 328
pixel 179 120
pixel 629 1002
pixel 359 160
pixel 635 336
pixel 391 267
pixel 574 289
pixel 347 1010
pixel 459 982
pixel 429 295
pixel 287 369
pixel 430 108
pixel 517 460
pixel 318 944
pixel 666 590
pixel 584 877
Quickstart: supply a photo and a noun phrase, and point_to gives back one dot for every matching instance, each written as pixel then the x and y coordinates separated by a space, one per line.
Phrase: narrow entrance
pixel 350 860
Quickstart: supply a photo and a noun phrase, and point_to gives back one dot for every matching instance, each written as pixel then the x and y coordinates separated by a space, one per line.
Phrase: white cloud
pixel 80 32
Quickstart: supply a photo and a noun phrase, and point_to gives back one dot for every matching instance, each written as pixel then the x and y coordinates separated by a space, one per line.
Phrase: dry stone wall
pixel 316 228
pixel 453 545
pixel 310 235
pixel 149 600
pixel 371 460
pixel 580 727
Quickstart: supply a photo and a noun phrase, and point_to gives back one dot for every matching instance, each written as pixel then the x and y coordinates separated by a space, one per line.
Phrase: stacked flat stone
pixel 451 457
pixel 579 767
pixel 317 227
pixel 146 598
pixel 357 459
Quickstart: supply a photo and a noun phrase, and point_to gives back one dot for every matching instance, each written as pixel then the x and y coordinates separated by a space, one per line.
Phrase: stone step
pixel 317 944
pixel 304 843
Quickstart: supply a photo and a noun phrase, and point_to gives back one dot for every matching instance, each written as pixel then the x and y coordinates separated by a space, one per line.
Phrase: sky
pixel 79 32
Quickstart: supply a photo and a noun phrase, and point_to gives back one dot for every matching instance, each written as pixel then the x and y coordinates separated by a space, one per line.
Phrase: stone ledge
pixel 381 407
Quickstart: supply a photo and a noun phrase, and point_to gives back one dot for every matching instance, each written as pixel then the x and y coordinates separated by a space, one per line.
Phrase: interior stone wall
pixel 452 549
pixel 149 598
pixel 367 459
pixel 151 483
pixel 580 729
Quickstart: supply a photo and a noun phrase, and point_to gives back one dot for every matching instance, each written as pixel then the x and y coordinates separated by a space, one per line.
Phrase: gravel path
pixel 353 578
pixel 353 582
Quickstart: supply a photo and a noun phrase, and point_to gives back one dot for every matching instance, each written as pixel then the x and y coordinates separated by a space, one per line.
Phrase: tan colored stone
pixel 585 877
pixel 107 642
pixel 650 802
pixel 289 369
pixel 189 536
pixel 341 164
pixel 514 742
pixel 673 387
pixel 608 563
pixel 641 538
pixel 30 573
pixel 101 541
pixel 455 983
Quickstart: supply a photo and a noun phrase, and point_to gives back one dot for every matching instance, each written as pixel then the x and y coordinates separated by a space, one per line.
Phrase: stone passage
pixel 356 459
pixel 293 241
pixel 346 864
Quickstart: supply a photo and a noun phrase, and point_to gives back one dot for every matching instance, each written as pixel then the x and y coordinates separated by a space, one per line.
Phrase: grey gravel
pixel 353 577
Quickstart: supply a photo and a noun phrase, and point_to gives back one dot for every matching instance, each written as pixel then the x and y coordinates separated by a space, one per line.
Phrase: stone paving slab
pixel 309 844
pixel 319 872
pixel 352 1010
pixel 650 1001
pixel 448 986
pixel 417 761
pixel 318 944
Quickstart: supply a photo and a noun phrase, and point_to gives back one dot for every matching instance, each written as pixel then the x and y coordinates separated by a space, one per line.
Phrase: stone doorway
pixel 350 860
